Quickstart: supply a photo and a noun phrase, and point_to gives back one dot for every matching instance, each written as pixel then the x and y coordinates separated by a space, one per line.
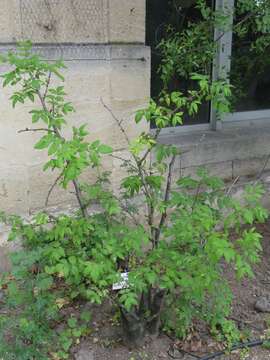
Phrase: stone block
pixel 39 185
pixel 63 21
pixel 130 80
pixel 221 169
pixel 217 146
pixel 250 167
pixel 7 21
pixel 14 190
pixel 73 21
pixel 126 21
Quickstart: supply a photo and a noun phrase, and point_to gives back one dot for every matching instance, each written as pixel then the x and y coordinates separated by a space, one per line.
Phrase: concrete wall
pixel 234 152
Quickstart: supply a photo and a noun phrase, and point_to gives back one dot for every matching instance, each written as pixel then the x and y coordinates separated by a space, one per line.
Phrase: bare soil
pixel 105 342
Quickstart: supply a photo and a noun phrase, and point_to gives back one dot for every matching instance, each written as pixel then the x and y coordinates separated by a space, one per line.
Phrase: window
pixel 250 72
pixel 160 15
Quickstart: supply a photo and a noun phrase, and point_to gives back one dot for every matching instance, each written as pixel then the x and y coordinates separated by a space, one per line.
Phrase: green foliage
pixel 172 252
pixel 189 46
pixel 171 107
pixel 33 306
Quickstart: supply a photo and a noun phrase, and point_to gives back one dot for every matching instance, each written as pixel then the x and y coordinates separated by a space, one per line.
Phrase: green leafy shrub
pixel 34 301
pixel 169 238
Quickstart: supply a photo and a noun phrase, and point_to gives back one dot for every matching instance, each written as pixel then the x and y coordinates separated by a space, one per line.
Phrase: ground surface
pixel 105 341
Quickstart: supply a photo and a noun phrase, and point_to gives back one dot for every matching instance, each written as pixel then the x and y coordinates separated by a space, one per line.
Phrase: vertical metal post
pixel 222 61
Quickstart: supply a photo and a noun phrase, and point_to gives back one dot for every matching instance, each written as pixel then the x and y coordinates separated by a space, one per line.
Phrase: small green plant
pixel 33 312
pixel 170 254
pixel 244 354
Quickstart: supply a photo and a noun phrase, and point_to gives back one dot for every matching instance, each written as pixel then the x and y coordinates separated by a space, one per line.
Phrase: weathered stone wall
pixel 73 21
pixel 232 153
pixel 117 74
pixel 102 43
pixel 120 75
pixel 87 35
pixel 238 152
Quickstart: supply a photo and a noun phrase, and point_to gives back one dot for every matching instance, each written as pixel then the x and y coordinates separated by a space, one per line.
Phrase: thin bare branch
pixel 119 122
pixel 52 187
pixel 196 196
pixel 37 129
pixel 79 198
pixel 150 148
pixel 42 100
pixel 166 198
pixel 140 171
pixel 130 214
pixel 118 157
pixel 232 185
pixel 128 162
pixel 47 85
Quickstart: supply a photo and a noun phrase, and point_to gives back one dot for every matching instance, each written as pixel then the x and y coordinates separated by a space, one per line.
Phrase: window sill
pixel 228 152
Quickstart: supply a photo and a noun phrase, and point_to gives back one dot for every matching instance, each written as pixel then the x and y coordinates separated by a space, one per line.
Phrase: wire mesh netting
pixel 62 21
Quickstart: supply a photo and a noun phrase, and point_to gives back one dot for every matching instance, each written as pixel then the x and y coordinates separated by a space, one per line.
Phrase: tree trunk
pixel 134 328
pixel 155 311
pixel 145 321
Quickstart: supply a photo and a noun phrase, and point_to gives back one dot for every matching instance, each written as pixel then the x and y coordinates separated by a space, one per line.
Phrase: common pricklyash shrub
pixel 156 246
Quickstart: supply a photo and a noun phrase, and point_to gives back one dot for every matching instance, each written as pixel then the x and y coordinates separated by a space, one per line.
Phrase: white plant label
pixel 123 283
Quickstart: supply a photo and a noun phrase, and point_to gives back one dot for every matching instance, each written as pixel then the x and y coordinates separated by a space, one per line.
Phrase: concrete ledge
pixel 72 52
pixel 228 153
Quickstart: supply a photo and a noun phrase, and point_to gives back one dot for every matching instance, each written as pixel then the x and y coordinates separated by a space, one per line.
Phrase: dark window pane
pixel 250 67
pixel 177 14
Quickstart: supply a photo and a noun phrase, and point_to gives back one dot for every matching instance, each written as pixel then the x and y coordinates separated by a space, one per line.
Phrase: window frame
pixel 224 54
